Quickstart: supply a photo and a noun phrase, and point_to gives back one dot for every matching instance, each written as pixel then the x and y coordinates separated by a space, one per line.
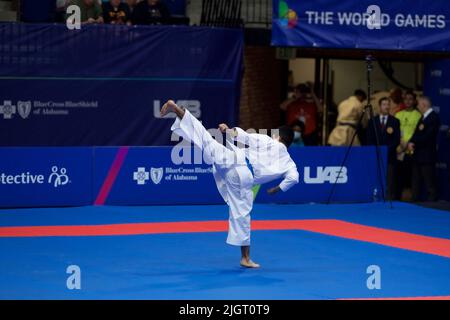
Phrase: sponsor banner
pixel 437 87
pixel 320 168
pixel 168 176
pixel 420 25
pixel 32 177
pixel 127 119
pixel 148 176
pixel 111 94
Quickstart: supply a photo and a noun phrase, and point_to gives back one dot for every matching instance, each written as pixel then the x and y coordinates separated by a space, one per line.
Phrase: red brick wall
pixel 261 88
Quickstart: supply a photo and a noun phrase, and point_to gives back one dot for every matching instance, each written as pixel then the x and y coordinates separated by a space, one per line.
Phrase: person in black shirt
pixel 388 131
pixel 131 5
pixel 115 12
pixel 423 146
pixel 150 12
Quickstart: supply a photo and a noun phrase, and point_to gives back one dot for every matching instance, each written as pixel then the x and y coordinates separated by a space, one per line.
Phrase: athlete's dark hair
pixel 286 135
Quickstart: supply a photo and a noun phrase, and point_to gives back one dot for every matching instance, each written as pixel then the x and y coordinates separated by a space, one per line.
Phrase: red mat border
pixel 332 227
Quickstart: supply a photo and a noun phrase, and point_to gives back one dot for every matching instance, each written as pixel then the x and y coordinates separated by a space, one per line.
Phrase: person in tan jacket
pixel 349 112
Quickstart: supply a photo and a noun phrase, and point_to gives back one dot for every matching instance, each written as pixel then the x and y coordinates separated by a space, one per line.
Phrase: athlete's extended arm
pixel 290 179
pixel 171 106
pixel 274 190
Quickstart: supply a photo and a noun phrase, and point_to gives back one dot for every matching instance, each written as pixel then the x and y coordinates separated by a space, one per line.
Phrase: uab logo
pixel 326 174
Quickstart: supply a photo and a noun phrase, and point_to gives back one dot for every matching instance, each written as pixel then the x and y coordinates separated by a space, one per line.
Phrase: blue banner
pixel 320 168
pixel 437 87
pixel 103 85
pixel 169 176
pixel 147 176
pixel 32 177
pixel 419 25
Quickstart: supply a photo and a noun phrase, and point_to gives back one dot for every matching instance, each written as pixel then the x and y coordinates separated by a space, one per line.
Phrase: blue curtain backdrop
pixel 102 85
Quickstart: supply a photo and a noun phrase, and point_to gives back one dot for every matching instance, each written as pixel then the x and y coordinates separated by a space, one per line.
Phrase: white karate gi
pixel 268 157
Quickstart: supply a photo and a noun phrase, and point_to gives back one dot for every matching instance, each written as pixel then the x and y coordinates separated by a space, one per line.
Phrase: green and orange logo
pixel 287 17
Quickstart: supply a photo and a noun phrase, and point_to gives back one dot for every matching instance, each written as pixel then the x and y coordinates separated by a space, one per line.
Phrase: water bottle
pixel 375 195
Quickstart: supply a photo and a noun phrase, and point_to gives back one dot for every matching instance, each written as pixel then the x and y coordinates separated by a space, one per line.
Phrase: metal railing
pixel 257 13
pixel 237 13
pixel 221 13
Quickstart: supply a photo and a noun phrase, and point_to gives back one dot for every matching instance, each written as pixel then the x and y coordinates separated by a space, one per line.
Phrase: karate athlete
pixel 237 169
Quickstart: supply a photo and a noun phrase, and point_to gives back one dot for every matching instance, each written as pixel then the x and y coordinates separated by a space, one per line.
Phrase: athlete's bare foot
pixel 249 263
pixel 168 107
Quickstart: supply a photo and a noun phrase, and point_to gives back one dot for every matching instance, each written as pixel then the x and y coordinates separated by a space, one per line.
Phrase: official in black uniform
pixel 423 144
pixel 388 130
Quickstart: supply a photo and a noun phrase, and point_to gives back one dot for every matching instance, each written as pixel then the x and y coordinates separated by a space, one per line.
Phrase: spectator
pixel 387 129
pixel 375 98
pixel 115 12
pixel 408 118
pixel 349 113
pixel 150 12
pixel 397 103
pixel 62 4
pixel 298 127
pixel 61 7
pixel 131 5
pixel 91 10
pixel 304 106
pixel 396 97
pixel 423 147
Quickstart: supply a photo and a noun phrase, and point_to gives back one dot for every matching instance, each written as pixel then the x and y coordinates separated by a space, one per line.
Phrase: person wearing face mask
pixel 298 127
pixel 304 106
